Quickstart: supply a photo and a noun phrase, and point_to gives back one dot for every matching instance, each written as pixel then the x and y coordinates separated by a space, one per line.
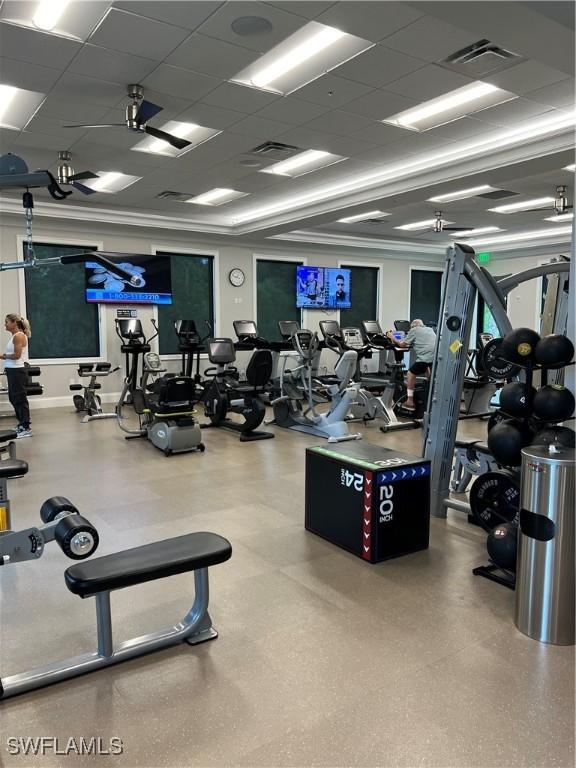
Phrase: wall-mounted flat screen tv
pixel 322 288
pixel 154 280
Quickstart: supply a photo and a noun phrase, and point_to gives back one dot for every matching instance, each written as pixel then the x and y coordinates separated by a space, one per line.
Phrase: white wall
pixel 231 303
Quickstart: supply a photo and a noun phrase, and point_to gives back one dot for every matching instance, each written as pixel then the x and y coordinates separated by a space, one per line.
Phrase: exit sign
pixel 483 258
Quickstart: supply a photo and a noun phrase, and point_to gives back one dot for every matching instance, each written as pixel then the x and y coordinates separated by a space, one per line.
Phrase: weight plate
pixel 494 366
pixel 495 499
pixel 454 323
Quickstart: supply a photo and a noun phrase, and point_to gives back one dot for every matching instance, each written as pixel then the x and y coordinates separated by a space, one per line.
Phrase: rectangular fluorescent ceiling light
pixel 17 106
pixel 462 194
pixel 428 223
pixel 570 167
pixel 451 106
pixel 216 196
pixel 196 134
pixel 526 205
pixel 560 217
pixel 538 234
pixel 64 18
pixel 363 217
pixel 304 162
pixel 304 56
pixel 111 181
pixel 479 231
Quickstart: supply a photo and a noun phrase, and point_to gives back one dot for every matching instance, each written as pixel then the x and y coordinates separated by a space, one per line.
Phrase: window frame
pixel 215 255
pixel 420 268
pixel 97 245
pixel 256 257
pixel 342 262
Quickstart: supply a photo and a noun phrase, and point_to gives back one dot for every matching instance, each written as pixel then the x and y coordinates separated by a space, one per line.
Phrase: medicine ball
pixel 516 399
pixel 553 403
pixel 502 545
pixel 560 435
pixel 554 350
pixel 496 417
pixel 506 440
pixel 519 345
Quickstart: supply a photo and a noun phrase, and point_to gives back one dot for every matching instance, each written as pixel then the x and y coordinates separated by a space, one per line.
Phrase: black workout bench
pixel 98 577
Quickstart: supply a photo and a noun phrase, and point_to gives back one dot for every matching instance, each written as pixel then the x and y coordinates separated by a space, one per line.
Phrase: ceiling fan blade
pixel 99 125
pixel 146 111
pixel 82 188
pixel 163 136
pixel 83 175
pixel 456 229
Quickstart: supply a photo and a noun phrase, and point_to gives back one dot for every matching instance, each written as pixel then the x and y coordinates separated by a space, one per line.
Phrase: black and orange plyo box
pixel 372 501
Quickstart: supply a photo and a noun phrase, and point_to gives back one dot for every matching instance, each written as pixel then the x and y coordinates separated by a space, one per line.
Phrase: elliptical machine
pixel 224 393
pixel 134 346
pixel 296 407
pixel 164 402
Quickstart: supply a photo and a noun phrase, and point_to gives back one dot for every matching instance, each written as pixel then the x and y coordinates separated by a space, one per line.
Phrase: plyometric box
pixel 372 501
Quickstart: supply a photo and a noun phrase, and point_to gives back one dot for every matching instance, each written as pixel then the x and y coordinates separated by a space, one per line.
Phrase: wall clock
pixel 236 277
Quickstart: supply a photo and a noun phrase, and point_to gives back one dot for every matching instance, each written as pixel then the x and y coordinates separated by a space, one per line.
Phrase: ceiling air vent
pixel 178 196
pixel 482 58
pixel 498 194
pixel 273 150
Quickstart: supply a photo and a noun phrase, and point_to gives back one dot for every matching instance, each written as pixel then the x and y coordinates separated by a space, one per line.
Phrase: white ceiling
pixel 183 53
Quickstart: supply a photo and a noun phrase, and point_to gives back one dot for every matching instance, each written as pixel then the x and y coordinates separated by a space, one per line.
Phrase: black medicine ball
pixel 506 440
pixel 559 435
pixel 519 345
pixel 553 403
pixel 516 399
pixel 502 545
pixel 554 350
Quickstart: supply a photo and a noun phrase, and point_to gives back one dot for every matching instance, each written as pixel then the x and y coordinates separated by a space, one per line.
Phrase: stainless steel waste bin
pixel 545 568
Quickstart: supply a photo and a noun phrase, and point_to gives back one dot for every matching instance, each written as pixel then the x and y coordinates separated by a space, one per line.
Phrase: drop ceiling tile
pixel 416 144
pixel 460 129
pixel 37 47
pixel 31 77
pixel 428 83
pixel 72 87
pixel 340 123
pixel 180 82
pixel 188 15
pixel 290 109
pixel 53 127
pixel 112 66
pixel 210 116
pixel 80 110
pixel 259 127
pixel 378 66
pixel 559 95
pixel 370 20
pixel 332 92
pixel 512 112
pixel 129 33
pixel 36 140
pixel 430 39
pixel 525 77
pixel 309 9
pixel 219 25
pixel 380 155
pixel 211 56
pixel 379 104
pixel 238 97
pixel 380 133
pixel 257 182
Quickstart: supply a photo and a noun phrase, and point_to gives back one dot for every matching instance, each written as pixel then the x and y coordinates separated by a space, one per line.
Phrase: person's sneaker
pixel 23 432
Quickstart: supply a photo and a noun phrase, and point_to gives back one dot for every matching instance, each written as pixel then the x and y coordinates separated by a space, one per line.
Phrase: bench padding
pixel 7 434
pixel 147 563
pixel 12 468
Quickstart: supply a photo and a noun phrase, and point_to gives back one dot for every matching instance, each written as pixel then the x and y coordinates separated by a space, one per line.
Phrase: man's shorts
pixel 420 368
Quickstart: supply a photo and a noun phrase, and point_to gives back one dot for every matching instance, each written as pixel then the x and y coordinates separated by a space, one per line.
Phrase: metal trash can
pixel 545 568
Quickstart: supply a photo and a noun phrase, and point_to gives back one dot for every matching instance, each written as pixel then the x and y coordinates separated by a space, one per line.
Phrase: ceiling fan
pixel 439 222
pixel 560 204
pixel 137 115
pixel 65 174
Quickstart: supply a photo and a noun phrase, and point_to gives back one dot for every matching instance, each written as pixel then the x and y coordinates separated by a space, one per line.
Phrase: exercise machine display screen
pixel 245 328
pixel 130 329
pixel 151 281
pixel 372 327
pixel 221 351
pixel 288 328
pixel 398 335
pixel 330 328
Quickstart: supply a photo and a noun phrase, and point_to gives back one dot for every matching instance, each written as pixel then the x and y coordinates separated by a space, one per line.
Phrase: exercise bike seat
pixel 10 468
pixel 147 563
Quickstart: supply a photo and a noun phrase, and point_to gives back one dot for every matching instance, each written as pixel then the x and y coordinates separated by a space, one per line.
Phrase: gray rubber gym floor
pixel 322 659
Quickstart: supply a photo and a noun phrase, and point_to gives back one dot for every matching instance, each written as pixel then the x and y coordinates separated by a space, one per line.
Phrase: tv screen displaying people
pixel 323 288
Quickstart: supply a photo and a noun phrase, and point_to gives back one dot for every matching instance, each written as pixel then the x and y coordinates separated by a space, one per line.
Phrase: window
pixel 425 290
pixel 364 297
pixel 192 298
pixel 63 324
pixel 275 295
